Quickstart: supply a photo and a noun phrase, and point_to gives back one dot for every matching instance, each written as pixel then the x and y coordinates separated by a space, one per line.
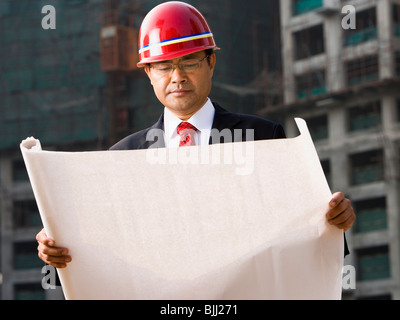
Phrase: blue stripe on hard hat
pixel 176 40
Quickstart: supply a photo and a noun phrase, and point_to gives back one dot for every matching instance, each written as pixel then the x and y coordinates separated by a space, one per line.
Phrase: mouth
pixel 179 92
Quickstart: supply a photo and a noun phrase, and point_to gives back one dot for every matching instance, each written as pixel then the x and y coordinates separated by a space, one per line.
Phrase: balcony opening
pixel 397 63
pixel 318 127
pixel 309 42
pixel 311 84
pixel 396 20
pixel 371 215
pixel 304 6
pixel 25 256
pixel 366 28
pixel 398 110
pixel 367 167
pixel 19 173
pixel 26 214
pixel 373 263
pixel 365 117
pixel 362 70
pixel 326 167
pixel 29 291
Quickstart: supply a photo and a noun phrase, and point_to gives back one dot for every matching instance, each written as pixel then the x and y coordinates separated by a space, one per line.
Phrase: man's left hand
pixel 341 213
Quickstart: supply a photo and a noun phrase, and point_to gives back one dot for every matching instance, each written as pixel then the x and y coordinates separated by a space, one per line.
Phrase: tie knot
pixel 186 132
pixel 185 127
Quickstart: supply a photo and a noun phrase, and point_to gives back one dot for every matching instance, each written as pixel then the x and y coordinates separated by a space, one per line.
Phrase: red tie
pixel 186 132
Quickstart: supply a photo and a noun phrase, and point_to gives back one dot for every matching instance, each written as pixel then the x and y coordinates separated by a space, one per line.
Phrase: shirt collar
pixel 202 119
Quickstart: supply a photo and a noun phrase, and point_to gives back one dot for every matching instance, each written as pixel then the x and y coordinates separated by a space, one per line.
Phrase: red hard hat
pixel 173 29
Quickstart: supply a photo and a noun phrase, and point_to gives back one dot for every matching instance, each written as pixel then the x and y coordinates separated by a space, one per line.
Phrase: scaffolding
pixel 51 80
pixel 78 84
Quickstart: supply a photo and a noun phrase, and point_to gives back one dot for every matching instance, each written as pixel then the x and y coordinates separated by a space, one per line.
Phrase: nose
pixel 178 76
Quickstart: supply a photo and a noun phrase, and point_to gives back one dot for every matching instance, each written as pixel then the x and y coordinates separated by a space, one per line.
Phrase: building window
pixel 309 42
pixel 304 6
pixel 366 167
pixel 326 167
pixel 19 173
pixel 371 215
pixel 25 256
pixel 362 70
pixel 26 214
pixel 318 127
pixel 396 20
pixel 366 29
pixel 398 110
pixel 365 116
pixel 373 263
pixel 29 291
pixel 311 84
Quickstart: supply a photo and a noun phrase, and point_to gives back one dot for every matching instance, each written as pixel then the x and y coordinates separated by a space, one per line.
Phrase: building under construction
pixel 345 83
pixel 76 87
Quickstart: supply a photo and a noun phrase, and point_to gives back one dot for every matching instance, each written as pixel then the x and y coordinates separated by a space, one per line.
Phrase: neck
pixel 184 116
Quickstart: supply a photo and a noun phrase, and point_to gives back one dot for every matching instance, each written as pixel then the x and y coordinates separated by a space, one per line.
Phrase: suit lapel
pixel 223 120
pixel 155 135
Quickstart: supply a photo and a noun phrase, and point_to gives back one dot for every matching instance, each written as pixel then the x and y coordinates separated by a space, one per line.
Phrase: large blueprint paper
pixel 144 224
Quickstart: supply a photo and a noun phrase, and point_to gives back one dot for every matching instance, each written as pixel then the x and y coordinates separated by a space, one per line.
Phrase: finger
pixel 341 218
pixel 56 257
pixel 337 198
pixel 52 251
pixel 43 238
pixel 55 261
pixel 346 225
pixel 341 207
pixel 59 265
pixel 344 221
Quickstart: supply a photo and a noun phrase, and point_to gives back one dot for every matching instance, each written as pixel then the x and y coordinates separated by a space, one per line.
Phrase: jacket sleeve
pixel 279 132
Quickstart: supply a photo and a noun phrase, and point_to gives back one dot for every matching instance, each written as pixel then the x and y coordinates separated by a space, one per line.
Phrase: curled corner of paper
pixel 31 143
pixel 301 124
pixel 303 128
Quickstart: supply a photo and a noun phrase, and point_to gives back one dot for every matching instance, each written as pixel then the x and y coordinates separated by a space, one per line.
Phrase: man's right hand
pixel 49 253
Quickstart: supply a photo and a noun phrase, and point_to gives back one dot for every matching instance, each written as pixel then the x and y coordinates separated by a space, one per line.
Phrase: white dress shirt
pixel 202 120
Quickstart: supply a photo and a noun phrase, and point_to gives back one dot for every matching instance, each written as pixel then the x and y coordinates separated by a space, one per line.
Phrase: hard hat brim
pixel 172 55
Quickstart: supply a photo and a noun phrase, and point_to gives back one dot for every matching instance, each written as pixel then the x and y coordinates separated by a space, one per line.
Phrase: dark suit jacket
pixel 223 119
pixel 263 129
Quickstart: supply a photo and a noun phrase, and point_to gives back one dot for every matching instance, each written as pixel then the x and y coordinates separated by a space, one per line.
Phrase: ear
pixel 213 60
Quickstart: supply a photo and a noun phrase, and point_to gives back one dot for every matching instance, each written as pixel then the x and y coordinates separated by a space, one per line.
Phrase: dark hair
pixel 208 53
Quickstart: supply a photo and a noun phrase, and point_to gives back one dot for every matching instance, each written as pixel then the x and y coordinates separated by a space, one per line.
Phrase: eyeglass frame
pixel 179 65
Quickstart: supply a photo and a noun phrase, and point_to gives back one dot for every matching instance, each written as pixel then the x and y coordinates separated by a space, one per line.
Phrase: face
pixel 184 93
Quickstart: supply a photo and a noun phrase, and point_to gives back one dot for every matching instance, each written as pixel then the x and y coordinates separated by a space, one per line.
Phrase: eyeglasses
pixel 165 68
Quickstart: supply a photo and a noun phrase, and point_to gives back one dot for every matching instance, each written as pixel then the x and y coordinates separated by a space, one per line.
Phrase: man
pixel 176 50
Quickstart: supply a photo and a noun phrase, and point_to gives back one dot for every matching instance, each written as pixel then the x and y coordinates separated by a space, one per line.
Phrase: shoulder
pixel 133 141
pixel 262 128
pixel 143 139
